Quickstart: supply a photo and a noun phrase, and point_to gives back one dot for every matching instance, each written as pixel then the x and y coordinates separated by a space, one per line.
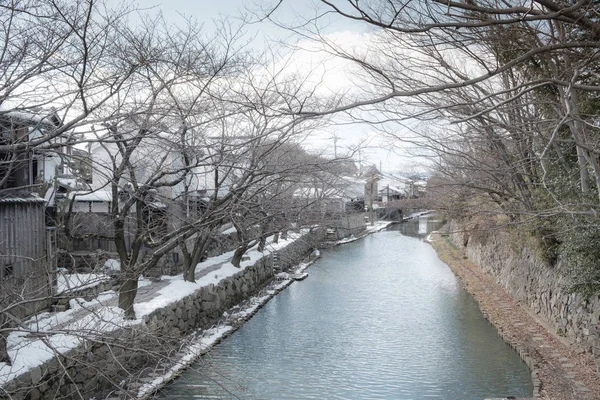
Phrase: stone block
pixel 80 378
pixel 207 306
pixel 35 375
pixel 20 395
pixel 43 387
pixel 182 325
pixel 11 386
pixel 90 385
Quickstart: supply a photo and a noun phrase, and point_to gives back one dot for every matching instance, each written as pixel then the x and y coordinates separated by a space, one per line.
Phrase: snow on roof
pixel 393 190
pixel 346 188
pixel 353 188
pixel 393 181
pixel 74 282
pixel 98 195
pixel 157 205
pixel 67 182
pixel 32 116
pixel 311 192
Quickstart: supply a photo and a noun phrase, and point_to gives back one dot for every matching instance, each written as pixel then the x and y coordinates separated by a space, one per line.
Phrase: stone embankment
pixel 554 332
pixel 101 364
pixel 535 285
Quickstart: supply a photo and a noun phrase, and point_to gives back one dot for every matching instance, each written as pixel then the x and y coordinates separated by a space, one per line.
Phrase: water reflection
pixel 418 227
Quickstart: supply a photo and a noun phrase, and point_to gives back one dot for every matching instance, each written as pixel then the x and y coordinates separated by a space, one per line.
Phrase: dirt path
pixel 559 372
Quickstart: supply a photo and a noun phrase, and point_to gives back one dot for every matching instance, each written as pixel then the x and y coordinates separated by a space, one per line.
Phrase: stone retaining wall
pixel 348 224
pixel 536 285
pixel 97 367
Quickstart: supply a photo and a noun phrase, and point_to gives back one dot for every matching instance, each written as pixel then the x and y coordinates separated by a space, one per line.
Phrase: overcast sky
pixel 378 150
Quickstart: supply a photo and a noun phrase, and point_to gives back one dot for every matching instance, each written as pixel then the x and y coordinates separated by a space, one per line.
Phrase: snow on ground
pixel 349 239
pixel 27 352
pixel 429 237
pixel 73 282
pixel 112 265
pixel 229 231
pixel 178 288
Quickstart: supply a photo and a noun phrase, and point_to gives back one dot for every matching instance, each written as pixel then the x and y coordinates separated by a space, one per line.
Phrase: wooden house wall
pixel 91 232
pixel 25 272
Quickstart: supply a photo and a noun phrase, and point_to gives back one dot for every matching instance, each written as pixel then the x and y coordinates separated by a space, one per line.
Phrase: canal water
pixel 380 318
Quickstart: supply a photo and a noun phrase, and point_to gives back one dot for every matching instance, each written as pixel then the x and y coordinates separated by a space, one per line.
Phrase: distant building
pixel 371 176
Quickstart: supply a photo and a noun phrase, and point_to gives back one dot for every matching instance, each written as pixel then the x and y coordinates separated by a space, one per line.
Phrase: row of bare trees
pixel 186 131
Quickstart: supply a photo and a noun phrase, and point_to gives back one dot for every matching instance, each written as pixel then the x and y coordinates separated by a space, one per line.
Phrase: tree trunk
pixel 577 131
pixel 276 237
pixel 583 172
pixel 262 243
pixel 237 256
pixel 284 234
pixel 189 272
pixel 187 260
pixel 200 246
pixel 127 293
pixel 3 351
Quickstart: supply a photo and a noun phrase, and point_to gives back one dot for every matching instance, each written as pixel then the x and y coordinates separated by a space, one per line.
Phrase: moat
pixel 379 318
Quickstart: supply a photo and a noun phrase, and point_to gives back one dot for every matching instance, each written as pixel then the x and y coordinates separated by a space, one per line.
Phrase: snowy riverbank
pixel 35 345
pixel 38 346
pixel 376 227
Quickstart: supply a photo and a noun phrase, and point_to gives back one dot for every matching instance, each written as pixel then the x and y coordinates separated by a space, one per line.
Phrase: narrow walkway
pixel 563 373
pixel 145 293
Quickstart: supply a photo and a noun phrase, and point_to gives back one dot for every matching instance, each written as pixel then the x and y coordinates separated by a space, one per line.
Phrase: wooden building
pixel 26 270
pixel 27 172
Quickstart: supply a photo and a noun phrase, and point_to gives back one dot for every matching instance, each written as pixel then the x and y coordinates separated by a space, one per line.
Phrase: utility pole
pixel 335 139
pixel 359 161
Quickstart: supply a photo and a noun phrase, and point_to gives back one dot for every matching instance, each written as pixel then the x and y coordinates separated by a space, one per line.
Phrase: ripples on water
pixel 381 318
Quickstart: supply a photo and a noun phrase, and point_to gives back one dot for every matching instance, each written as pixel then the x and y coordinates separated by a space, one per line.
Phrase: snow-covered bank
pixel 417 215
pixel 36 343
